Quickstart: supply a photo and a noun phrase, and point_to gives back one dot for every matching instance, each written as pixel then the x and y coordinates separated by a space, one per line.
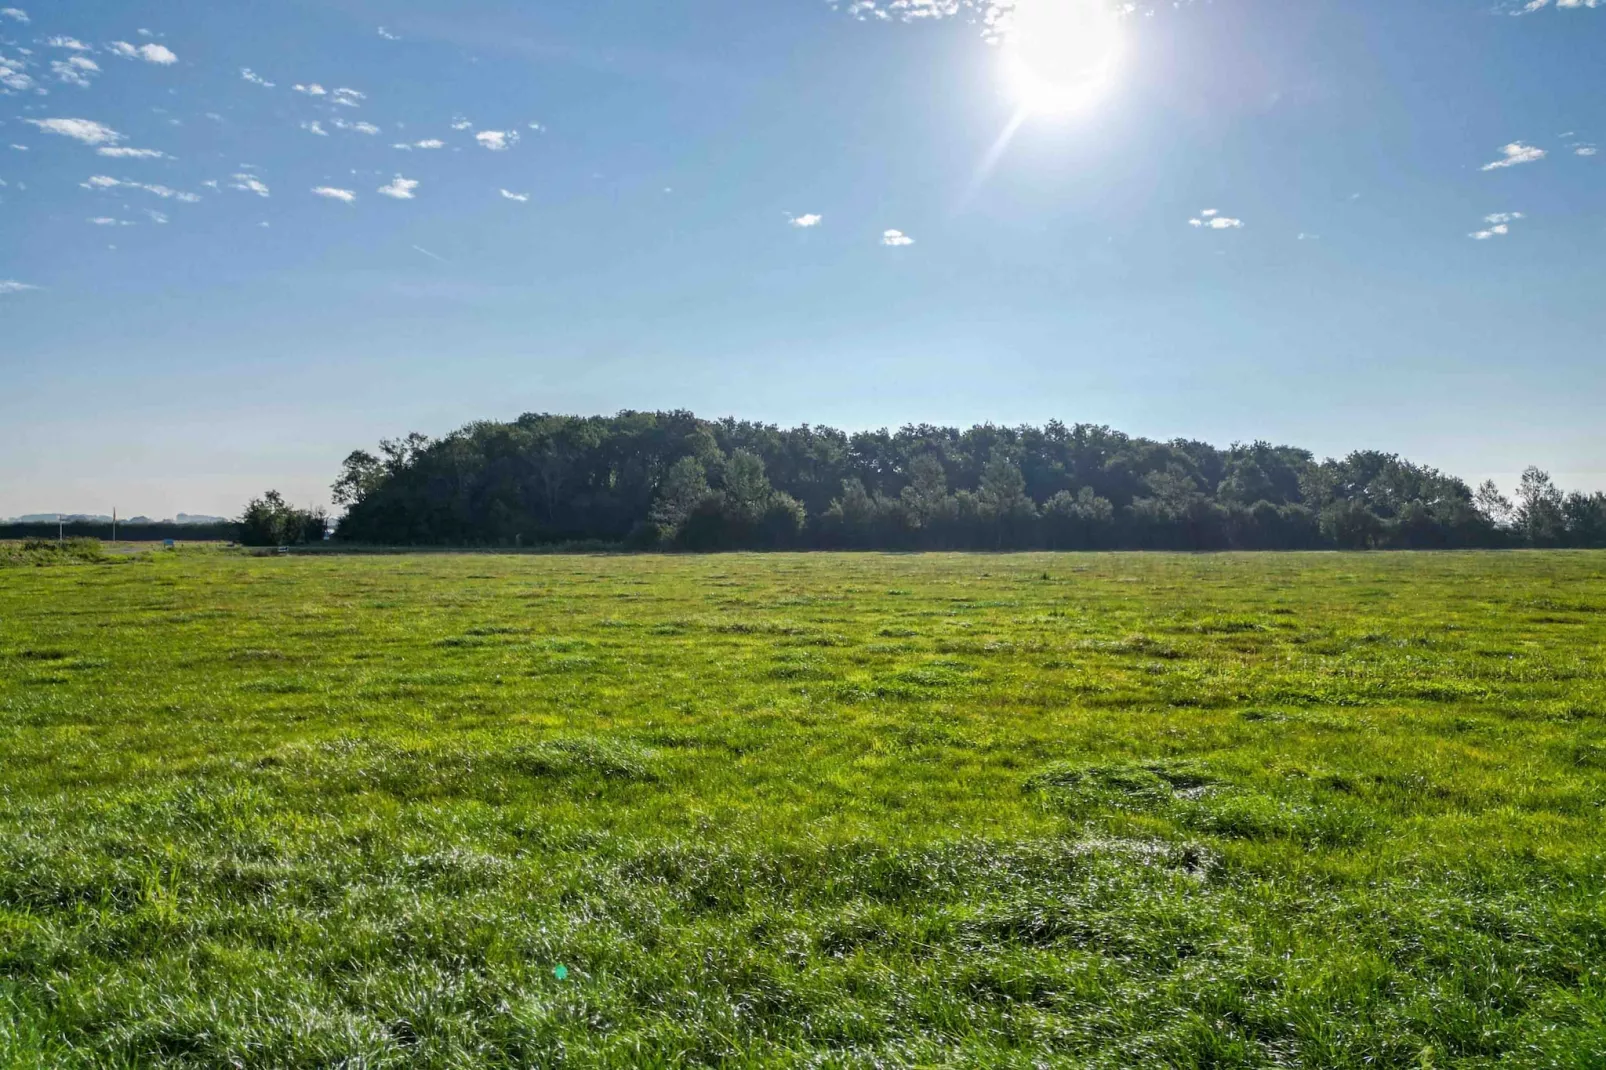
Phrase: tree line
pixel 670 480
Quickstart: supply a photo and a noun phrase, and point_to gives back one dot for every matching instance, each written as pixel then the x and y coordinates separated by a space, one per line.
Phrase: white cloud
pixel 1499 226
pixel 1584 149
pixel 348 97
pixel 20 148
pixel 336 194
pixel 315 127
pixel 1539 5
pixel 896 238
pixel 1212 219
pixel 387 35
pixel 805 221
pixel 461 124
pixel 68 42
pixel 164 192
pixel 361 128
pixel 12 76
pixel 520 197
pixel 400 188
pixel 108 221
pixel 497 140
pixel 254 78
pixel 428 143
pixel 313 90
pixel 76 70
pixel 15 13
pixel 85 130
pixel 1514 154
pixel 143 32
pixel 249 184
pixel 156 217
pixel 132 154
pixel 538 128
pixel 158 54
pixel 12 286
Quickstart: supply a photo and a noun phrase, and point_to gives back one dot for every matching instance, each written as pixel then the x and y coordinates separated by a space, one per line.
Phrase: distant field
pixel 813 810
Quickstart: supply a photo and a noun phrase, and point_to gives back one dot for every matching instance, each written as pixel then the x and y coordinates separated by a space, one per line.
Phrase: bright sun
pixel 1061 54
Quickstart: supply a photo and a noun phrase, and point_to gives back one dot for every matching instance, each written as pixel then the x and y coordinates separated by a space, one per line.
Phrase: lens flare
pixel 1061 55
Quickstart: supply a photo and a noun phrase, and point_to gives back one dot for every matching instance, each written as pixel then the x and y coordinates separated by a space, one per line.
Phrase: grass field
pixel 1033 810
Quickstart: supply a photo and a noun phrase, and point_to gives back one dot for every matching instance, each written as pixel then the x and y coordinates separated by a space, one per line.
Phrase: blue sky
pixel 1270 219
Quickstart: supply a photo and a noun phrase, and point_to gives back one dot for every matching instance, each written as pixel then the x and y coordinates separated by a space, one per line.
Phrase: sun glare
pixel 1060 55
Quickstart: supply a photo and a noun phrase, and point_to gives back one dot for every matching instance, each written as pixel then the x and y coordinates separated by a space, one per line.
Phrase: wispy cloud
pixel 1583 148
pixel 497 140
pixel 400 188
pixel 348 97
pixel 1514 154
pixel 132 154
pixel 85 130
pixel 461 123
pixel 334 194
pixel 254 78
pixel 158 54
pixel 155 216
pixel 16 14
pixel 387 35
pixel 13 77
pixel 428 143
pixel 313 126
pixel 312 90
pixel 895 238
pixel 1530 6
pixel 361 128
pixel 812 219
pixel 68 42
pixel 1499 225
pixel 1212 219
pixel 432 256
pixel 248 183
pixel 108 221
pixel 12 286
pixel 520 197
pixel 107 182
pixel 75 70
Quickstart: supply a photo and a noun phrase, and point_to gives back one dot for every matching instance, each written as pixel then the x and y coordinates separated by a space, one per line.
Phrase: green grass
pixel 43 552
pixel 844 811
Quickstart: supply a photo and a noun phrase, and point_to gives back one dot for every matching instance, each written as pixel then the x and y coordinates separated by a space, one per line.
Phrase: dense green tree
pixel 1585 516
pixel 672 478
pixel 271 521
pixel 684 487
pixel 1539 514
